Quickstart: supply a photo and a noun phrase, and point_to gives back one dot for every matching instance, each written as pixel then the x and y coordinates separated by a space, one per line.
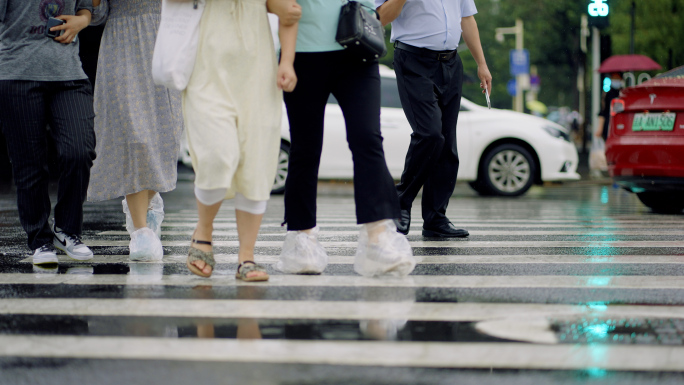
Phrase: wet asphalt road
pixel 572 284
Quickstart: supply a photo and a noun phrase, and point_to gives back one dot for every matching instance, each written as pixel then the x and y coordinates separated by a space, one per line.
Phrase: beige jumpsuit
pixel 232 106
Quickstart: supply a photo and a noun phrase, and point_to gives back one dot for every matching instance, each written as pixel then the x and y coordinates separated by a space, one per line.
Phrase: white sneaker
pixel 391 255
pixel 45 254
pixel 302 254
pixel 145 246
pixel 71 245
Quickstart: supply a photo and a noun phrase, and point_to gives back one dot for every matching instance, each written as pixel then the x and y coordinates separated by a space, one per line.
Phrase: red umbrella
pixel 627 63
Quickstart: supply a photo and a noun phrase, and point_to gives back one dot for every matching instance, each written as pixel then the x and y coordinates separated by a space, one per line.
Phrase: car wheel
pixel 281 173
pixel 662 202
pixel 506 170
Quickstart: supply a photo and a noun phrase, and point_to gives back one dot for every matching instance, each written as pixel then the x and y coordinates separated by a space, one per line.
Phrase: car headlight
pixel 557 133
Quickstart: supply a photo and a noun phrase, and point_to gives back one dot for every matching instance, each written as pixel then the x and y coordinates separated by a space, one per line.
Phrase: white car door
pixel 336 159
pixel 464 134
pixel 395 128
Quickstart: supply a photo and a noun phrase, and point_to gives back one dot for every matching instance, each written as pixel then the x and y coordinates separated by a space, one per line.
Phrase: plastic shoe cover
pixel 390 256
pixel 145 246
pixel 129 220
pixel 302 254
pixel 155 214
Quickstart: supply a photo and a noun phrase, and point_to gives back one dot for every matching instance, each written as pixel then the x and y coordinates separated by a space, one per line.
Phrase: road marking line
pixel 225 278
pixel 430 244
pixel 417 227
pixel 328 233
pixel 401 309
pixel 426 260
pixel 359 353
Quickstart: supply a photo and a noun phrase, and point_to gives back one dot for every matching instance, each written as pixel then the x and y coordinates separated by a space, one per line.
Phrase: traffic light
pixel 598 11
pixel 606 84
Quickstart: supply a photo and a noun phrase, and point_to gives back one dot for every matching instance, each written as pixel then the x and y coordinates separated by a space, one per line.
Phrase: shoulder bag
pixel 360 31
pixel 175 50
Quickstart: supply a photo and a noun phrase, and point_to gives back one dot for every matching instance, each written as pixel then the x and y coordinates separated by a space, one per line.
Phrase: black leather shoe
pixel 404 222
pixel 446 230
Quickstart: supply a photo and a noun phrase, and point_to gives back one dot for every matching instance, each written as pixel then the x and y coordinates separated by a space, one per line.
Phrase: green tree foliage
pixel 659 31
pixel 552 35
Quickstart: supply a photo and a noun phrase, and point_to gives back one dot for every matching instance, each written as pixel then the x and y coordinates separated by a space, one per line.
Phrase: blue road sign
pixel 510 87
pixel 520 62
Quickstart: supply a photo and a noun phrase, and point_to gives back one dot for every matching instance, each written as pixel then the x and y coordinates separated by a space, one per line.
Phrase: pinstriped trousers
pixel 26 109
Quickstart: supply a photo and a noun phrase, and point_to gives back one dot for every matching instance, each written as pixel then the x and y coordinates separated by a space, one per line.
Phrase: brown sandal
pixel 196 254
pixel 247 267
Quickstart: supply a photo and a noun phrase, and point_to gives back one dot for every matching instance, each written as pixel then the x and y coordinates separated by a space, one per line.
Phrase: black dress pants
pixel 430 93
pixel 356 86
pixel 26 109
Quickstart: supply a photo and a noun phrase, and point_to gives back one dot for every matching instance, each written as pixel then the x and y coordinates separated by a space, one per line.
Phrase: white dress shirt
pixel 431 24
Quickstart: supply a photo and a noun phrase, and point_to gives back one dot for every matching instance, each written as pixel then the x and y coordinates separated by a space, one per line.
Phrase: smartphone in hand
pixel 52 22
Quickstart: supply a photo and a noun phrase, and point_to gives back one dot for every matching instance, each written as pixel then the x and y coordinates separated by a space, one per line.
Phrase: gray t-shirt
pixel 26 53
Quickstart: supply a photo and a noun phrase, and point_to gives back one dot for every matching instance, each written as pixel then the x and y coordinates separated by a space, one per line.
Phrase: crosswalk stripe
pixel 417 226
pixel 221 278
pixel 476 219
pixel 431 244
pixel 358 353
pixel 327 233
pixel 430 259
pixel 339 310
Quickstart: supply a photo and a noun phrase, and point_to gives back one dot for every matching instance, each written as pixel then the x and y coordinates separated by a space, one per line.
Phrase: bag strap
pixel 377 15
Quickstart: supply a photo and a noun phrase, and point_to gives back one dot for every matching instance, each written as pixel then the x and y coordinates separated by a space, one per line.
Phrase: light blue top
pixel 318 25
pixel 432 24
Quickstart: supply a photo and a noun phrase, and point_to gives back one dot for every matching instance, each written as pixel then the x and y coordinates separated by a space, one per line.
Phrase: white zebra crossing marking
pixel 330 234
pixel 359 353
pixel 225 278
pixel 427 260
pixel 464 243
pixel 342 310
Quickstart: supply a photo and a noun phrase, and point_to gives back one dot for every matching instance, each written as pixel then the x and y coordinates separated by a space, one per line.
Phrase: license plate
pixel 654 121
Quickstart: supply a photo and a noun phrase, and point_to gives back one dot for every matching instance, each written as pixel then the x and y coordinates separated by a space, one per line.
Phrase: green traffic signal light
pixel 598 11
pixel 598 8
pixel 606 84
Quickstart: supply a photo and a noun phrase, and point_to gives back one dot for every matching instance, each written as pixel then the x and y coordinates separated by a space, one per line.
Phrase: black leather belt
pixel 437 55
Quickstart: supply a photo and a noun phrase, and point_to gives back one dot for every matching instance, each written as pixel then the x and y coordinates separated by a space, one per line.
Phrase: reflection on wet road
pixel 567 284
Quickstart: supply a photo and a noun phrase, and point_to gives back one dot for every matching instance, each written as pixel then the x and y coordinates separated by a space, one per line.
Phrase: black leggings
pixel 356 86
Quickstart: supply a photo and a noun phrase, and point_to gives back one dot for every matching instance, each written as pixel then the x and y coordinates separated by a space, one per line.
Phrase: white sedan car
pixel 501 152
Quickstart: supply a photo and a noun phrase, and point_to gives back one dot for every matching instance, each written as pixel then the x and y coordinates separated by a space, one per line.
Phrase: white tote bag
pixel 176 47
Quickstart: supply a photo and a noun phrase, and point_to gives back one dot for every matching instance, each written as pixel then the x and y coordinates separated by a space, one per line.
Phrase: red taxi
pixel 645 146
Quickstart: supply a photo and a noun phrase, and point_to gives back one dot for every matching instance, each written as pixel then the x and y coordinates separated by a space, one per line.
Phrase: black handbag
pixel 361 32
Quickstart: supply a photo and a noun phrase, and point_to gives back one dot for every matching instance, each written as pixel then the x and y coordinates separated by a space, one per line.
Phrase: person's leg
pixel 439 186
pixel 204 230
pixel 23 117
pixel 138 203
pixel 301 252
pixel 305 113
pixel 381 250
pixel 71 126
pixel 420 103
pixel 248 225
pixel 357 89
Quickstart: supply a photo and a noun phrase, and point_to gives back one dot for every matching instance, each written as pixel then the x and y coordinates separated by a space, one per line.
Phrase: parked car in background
pixel 501 152
pixel 645 146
